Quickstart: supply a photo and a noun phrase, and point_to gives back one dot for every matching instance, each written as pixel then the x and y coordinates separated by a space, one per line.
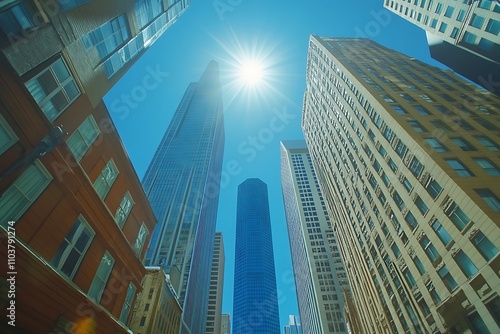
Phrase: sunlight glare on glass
pixel 251 72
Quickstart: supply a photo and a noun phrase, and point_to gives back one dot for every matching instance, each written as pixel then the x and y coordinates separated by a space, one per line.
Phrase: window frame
pixel 101 277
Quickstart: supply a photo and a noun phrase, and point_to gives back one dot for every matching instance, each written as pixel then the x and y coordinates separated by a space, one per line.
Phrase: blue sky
pixel 277 34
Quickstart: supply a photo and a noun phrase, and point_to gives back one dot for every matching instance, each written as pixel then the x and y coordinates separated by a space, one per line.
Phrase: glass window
pixel 408 186
pixel 485 4
pixel 441 232
pixel 448 280
pixel 16 19
pixel 449 11
pixel 441 125
pixel 461 15
pixel 488 166
pixel 484 246
pixel 476 21
pixel 411 220
pixel 436 144
pixel 419 265
pixel 399 110
pixel 108 37
pixel 398 200
pixel 464 262
pixel 7 136
pixel 422 207
pixel 124 209
pixel 469 38
pixel 147 10
pixel 488 125
pixel 454 32
pixel 81 140
pixel 392 165
pixel 416 167
pixel 434 23
pixel 443 110
pixel 493 26
pixel 439 8
pixel 127 304
pixel 106 179
pixel 409 278
pixel 442 27
pixel 386 98
pixel 401 149
pixel 464 125
pixel 429 248
pixel 101 277
pixel 73 248
pixel 54 89
pixel 141 239
pixel 407 97
pixel 70 4
pixel 433 188
pixel 490 198
pixel 421 110
pixel 417 126
pixel 16 200
pixel 459 167
pixel 463 144
pixel 457 216
pixel 488 143
pixel 124 55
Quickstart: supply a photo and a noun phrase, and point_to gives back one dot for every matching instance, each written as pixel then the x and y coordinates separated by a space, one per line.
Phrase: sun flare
pixel 251 72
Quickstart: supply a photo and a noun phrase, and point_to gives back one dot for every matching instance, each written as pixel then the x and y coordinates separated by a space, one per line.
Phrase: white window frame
pixel 83 142
pixel 11 135
pixel 101 277
pixel 122 209
pixel 102 178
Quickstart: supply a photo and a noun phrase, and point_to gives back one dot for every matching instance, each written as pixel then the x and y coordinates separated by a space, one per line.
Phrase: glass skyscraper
pixel 182 184
pixel 255 304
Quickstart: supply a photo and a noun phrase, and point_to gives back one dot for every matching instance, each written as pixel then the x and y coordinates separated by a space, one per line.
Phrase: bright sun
pixel 251 72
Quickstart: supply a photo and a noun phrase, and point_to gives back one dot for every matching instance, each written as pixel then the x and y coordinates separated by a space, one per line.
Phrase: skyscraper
pixel 182 184
pixel 216 287
pixel 255 305
pixel 320 275
pixel 407 159
pixel 459 33
pixel 293 326
pixel 97 49
pixel 225 327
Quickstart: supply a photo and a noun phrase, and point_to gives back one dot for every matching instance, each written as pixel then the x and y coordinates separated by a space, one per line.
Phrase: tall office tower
pixel 182 183
pixel 320 276
pixel 459 33
pixel 293 326
pixel 98 49
pixel 407 159
pixel 255 305
pixel 216 287
pixel 225 324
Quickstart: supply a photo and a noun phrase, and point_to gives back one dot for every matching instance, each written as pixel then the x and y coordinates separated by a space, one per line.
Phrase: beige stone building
pixel 407 158
pixel 216 287
pixel 157 309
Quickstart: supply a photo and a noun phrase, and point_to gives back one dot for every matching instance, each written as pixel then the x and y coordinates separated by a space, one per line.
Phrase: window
pixel 488 166
pixel 434 23
pixel 54 89
pixel 127 305
pixel 416 167
pixel 16 19
pixel 484 246
pixel 139 241
pixel 411 220
pixel 463 144
pixel 398 200
pixel 436 144
pixel 433 188
pixel 485 4
pixel 439 8
pixel 7 136
pixel 386 98
pixel 440 125
pixel 465 263
pixel 124 54
pixel 101 277
pixel 81 140
pixel 476 21
pixel 461 15
pixel 464 125
pixel 493 26
pixel 23 192
pixel 449 11
pixel 442 27
pixel 457 216
pixel 146 11
pixel 124 209
pixel 407 98
pixel 469 38
pixel 429 248
pixel 421 110
pixel 459 167
pixel 408 186
pixel 448 280
pixel 401 149
pixel 486 124
pixel 409 278
pixel 70 4
pixel 422 207
pixel 443 110
pixel 106 179
pixel 490 198
pixel 419 265
pixel 441 232
pixel 488 143
pixel 108 37
pixel 399 110
pixel 393 166
pixel 417 126
pixel 73 248
pixel 477 324
pixel 454 32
